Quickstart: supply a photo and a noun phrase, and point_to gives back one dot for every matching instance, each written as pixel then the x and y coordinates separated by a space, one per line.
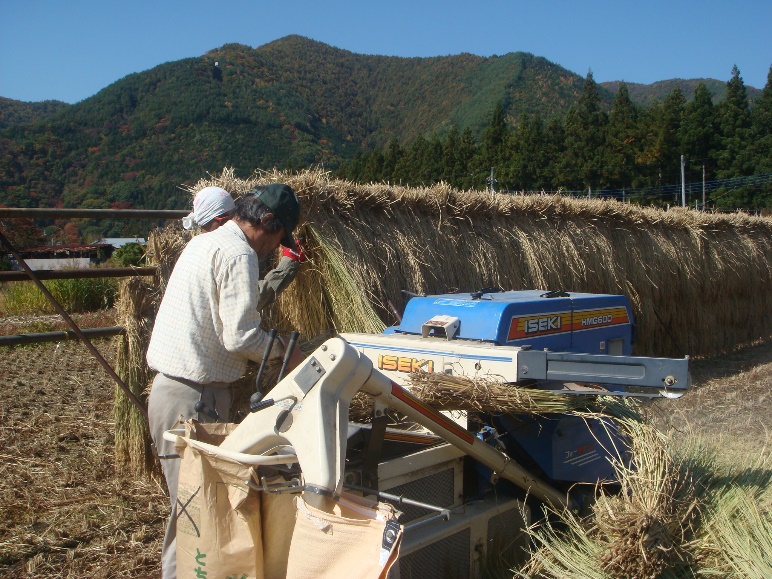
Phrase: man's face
pixel 262 242
pixel 270 242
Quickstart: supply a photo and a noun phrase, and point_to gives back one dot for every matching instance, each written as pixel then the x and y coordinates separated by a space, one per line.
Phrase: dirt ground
pixel 65 511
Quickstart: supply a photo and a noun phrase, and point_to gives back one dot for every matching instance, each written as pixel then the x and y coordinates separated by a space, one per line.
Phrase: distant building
pixel 63 256
pixel 117 242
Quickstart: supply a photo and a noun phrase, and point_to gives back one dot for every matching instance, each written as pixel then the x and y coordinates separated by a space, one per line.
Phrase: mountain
pixel 21 113
pixel 292 102
pixel 647 94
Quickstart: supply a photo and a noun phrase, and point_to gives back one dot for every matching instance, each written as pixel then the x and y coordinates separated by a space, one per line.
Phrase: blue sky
pixel 69 51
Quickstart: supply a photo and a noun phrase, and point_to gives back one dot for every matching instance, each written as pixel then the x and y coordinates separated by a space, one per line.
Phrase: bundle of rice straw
pixel 698 282
pixel 136 310
pixel 469 394
pixel 680 512
pixel 137 306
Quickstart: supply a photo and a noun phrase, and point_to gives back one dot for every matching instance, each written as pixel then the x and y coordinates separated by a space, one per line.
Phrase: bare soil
pixel 66 511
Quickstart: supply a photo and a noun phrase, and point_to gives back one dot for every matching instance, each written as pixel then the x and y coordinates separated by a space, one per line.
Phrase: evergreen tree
pixel 529 154
pixel 734 157
pixel 393 154
pixel 761 142
pixel 698 132
pixel 554 142
pixel 354 168
pixel 432 162
pixel 373 168
pixel 585 136
pixel 494 144
pixel 668 148
pixel 466 155
pixel 734 120
pixel 623 141
pixel 409 168
pixel 452 168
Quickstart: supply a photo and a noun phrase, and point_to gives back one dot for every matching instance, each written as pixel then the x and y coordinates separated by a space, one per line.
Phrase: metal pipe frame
pixel 47 213
pixel 86 342
pixel 43 337
pixel 79 273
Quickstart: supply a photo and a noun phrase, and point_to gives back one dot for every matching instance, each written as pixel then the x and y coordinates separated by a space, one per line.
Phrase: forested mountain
pixel 291 103
pixel 20 113
pixel 647 94
pixel 672 152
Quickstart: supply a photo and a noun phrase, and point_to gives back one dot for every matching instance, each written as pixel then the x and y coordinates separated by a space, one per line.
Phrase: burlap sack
pixel 360 539
pixel 218 517
pixel 225 529
pixel 278 518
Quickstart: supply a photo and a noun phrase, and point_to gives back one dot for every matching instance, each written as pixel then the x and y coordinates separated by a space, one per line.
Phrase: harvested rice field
pixel 65 511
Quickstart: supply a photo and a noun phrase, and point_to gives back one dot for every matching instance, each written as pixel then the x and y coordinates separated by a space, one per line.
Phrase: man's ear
pixel 267 218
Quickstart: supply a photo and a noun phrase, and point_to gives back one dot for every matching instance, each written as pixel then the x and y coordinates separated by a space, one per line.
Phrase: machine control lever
pixel 271 338
pixel 260 404
pixel 290 346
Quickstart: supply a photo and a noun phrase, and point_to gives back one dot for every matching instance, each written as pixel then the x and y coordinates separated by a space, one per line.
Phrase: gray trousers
pixel 172 399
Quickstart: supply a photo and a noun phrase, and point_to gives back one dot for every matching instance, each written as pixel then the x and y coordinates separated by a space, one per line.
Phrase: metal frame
pixel 82 335
pixel 79 273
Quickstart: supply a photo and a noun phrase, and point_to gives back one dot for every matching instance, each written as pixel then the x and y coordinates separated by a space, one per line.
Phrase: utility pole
pixel 683 181
pixel 703 186
pixel 491 181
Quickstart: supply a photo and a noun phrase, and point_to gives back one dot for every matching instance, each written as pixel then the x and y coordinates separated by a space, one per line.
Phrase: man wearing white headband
pixel 212 207
pixel 208 325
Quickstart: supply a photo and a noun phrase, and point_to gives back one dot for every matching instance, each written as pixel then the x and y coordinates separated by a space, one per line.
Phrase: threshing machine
pixel 464 484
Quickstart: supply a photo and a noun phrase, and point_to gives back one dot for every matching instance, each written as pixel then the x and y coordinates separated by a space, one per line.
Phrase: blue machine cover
pixel 571 322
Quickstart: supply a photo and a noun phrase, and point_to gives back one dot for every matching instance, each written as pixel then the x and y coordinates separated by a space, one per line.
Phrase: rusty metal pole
pixel 74 326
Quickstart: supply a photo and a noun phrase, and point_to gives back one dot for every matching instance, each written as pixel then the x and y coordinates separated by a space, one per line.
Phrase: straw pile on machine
pixel 699 283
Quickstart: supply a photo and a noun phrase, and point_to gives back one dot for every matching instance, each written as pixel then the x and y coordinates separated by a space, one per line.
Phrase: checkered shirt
pixel 208 324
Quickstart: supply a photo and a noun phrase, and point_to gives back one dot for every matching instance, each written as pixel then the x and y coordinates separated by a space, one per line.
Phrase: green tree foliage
pixel 529 155
pixel 733 154
pixel 623 141
pixel 296 103
pixel 494 143
pixel 734 121
pixel 761 128
pixel 698 131
pixel 642 149
pixel 760 140
pixel 586 127
pixel 129 255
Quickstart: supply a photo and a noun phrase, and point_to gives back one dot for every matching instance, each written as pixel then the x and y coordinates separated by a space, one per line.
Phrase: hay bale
pixel 136 310
pixel 679 513
pixel 698 282
pixel 137 306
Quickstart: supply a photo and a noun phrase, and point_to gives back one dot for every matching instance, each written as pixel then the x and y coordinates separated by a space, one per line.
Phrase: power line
pixel 671 190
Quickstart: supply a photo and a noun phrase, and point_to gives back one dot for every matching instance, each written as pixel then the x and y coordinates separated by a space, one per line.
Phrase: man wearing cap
pixel 208 325
pixel 212 207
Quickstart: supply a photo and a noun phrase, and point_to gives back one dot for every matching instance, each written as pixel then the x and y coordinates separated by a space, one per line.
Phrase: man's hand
pixel 300 255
